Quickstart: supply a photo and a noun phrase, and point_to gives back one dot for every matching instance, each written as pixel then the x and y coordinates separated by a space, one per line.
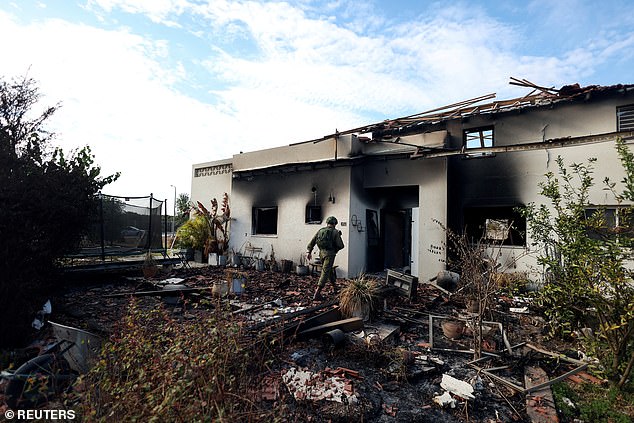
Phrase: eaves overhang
pixel 293 168
pixel 289 168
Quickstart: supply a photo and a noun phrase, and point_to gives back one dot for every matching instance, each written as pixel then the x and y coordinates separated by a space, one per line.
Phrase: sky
pixel 154 86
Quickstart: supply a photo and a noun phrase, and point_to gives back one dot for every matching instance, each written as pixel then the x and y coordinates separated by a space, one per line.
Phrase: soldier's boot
pixel 317 296
pixel 333 281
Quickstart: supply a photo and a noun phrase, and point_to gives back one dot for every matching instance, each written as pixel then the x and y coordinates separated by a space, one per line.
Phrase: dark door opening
pixel 396 228
pixel 374 257
pixel 388 226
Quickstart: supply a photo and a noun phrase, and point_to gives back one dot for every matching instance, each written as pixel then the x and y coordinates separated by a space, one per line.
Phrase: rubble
pixel 391 366
pixel 457 387
pixel 445 400
pixel 309 386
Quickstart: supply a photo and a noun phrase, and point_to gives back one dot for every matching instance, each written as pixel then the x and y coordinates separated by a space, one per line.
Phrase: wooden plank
pixel 287 316
pixel 346 325
pixel 540 406
pixel 329 316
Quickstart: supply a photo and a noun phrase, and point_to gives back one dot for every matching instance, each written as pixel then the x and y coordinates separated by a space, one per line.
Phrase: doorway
pixel 391 233
pixel 396 228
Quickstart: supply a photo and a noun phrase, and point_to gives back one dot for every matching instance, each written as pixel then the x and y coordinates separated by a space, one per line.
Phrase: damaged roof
pixel 390 131
pixel 539 97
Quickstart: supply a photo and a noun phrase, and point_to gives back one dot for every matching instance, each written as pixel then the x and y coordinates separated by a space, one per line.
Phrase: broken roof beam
pixel 453 105
pixel 527 84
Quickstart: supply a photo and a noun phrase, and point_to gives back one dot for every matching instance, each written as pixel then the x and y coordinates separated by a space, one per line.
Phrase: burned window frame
pixel 480 130
pixel 313 215
pixel 259 225
pixel 475 221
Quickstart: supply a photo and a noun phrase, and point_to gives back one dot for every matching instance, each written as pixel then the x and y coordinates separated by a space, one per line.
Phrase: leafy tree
pixel 588 281
pixel 183 207
pixel 47 201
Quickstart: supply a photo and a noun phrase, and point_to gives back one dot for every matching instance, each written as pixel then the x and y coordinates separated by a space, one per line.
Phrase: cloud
pixel 157 10
pixel 264 74
pixel 116 96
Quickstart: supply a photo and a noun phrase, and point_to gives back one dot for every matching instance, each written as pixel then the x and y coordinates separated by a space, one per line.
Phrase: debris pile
pixel 327 385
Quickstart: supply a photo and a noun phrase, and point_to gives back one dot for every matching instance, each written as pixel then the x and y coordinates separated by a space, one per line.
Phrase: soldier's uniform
pixel 327 254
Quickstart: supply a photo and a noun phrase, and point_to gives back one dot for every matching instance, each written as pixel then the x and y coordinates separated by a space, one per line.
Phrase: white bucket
pixel 213 259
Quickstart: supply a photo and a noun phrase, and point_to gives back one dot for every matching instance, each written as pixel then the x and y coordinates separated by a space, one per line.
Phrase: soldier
pixel 329 242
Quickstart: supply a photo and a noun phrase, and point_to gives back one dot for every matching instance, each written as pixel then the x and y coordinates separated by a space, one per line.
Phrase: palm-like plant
pixel 217 224
pixel 359 298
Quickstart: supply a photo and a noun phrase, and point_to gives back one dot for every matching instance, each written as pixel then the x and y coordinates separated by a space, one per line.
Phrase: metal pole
pixel 165 225
pixel 149 238
pixel 174 216
pixel 101 230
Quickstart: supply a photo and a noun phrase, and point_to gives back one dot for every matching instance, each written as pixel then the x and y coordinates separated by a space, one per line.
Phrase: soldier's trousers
pixel 327 271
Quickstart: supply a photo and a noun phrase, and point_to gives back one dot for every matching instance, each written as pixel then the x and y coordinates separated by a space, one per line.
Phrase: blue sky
pixel 154 86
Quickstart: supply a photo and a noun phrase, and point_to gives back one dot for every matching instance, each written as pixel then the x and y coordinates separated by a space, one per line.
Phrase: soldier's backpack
pixel 324 239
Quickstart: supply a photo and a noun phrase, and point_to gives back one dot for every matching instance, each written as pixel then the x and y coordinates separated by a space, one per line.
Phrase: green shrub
pixel 47 202
pixel 155 368
pixel 588 282
pixel 193 234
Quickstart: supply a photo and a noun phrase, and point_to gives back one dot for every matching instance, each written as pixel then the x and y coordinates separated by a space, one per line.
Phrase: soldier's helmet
pixel 331 220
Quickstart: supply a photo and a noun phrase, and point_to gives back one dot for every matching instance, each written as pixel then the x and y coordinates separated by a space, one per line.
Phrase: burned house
pixel 392 184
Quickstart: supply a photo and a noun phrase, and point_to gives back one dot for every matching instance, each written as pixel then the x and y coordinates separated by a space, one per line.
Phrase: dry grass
pixel 359 296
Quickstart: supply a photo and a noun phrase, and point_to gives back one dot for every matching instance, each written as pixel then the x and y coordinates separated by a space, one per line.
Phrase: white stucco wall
pixel 211 180
pixel 445 186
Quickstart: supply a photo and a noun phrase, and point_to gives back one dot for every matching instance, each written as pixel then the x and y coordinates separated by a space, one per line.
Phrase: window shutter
pixel 625 118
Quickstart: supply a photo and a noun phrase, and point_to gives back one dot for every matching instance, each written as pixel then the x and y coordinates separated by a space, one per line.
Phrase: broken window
pixel 502 225
pixel 625 118
pixel 478 138
pixel 264 221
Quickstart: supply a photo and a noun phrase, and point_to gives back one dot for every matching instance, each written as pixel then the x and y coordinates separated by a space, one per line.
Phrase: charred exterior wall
pixel 429 177
pixel 512 179
pixel 290 193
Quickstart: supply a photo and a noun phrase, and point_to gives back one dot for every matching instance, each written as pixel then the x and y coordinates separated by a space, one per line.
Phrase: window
pixel 502 225
pixel 264 221
pixel 610 221
pixel 478 138
pixel 313 214
pixel 625 118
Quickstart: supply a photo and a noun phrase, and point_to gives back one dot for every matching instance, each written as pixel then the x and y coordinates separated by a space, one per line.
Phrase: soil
pixel 392 380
